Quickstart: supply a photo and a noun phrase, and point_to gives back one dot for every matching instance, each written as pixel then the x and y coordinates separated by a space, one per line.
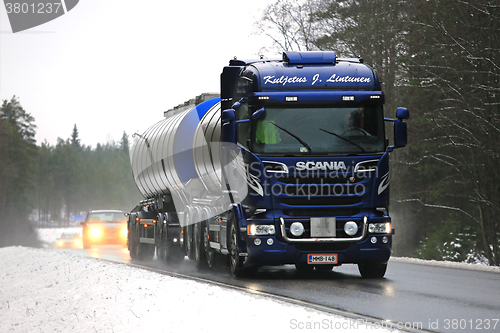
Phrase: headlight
pixel 60 243
pixel 380 228
pixel 124 232
pixel 95 232
pixel 261 229
pixel 78 243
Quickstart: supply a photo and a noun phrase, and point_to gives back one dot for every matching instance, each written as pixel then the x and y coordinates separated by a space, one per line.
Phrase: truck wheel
pixel 235 261
pixel 304 268
pixel 323 268
pixel 188 236
pixel 132 243
pixel 145 252
pixel 171 253
pixel 372 270
pixel 199 247
pixel 209 252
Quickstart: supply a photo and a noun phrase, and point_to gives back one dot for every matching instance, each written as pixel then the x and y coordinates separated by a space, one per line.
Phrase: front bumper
pixel 281 250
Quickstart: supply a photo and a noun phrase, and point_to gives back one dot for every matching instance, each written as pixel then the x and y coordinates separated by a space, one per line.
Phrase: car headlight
pixel 60 243
pixel 124 232
pixel 380 228
pixel 95 232
pixel 261 229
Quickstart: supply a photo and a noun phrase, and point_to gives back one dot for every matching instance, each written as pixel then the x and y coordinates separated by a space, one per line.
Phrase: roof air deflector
pixel 309 57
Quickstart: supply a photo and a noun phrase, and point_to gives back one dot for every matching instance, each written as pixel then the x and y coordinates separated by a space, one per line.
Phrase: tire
pixel 132 242
pixel 86 244
pixel 323 268
pixel 372 270
pixel 188 236
pixel 146 252
pixel 304 268
pixel 140 251
pixel 199 246
pixel 235 260
pixel 168 251
pixel 209 252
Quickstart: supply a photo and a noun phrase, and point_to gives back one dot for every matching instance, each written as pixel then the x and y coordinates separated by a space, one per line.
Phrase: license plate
pixel 315 259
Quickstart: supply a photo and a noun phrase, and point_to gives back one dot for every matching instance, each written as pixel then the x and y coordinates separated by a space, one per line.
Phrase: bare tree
pixel 289 25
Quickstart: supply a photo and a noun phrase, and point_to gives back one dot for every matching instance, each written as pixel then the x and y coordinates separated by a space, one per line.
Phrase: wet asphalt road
pixel 426 297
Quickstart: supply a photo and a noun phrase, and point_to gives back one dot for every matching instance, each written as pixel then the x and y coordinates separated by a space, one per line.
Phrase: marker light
pixel 297 229
pixel 351 228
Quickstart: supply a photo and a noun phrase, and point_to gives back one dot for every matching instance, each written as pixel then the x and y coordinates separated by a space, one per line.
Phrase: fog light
pixel 351 228
pixel 270 241
pixel 373 240
pixel 297 229
pixel 257 241
pixel 385 239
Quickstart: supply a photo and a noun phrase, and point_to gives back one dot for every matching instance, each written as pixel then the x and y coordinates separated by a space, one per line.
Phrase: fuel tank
pixel 175 154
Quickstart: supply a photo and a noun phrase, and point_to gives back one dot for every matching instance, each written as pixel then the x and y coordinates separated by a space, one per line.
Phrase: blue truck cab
pixel 311 132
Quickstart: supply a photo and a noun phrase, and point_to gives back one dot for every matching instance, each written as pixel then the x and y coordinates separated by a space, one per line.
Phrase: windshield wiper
pixel 343 138
pixel 294 136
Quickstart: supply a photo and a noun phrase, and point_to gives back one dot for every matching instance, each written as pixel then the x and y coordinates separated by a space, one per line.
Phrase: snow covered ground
pixel 49 290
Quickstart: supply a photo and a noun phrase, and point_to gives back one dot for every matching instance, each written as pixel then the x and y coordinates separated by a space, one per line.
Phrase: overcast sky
pixel 111 66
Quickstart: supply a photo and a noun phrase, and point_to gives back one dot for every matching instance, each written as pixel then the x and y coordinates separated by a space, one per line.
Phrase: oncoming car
pixel 104 227
pixel 69 240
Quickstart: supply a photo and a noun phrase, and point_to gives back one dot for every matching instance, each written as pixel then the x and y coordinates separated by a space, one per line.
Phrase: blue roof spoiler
pixel 309 57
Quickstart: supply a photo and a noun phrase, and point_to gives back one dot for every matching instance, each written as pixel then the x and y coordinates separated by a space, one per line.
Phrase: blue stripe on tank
pixel 183 141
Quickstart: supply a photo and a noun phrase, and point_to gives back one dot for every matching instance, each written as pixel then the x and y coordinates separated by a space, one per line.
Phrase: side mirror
pixel 400 134
pixel 228 116
pixel 400 128
pixel 402 113
pixel 259 113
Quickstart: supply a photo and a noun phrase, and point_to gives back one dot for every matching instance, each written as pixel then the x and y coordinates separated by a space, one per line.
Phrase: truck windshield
pixel 319 131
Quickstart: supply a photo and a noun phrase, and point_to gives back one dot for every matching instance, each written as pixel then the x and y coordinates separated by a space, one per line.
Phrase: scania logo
pixel 325 166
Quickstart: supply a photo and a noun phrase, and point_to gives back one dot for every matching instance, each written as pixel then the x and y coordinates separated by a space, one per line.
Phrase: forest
pixel 47 185
pixel 440 59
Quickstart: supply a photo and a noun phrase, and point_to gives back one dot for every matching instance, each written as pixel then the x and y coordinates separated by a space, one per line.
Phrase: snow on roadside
pixel 449 264
pixel 47 290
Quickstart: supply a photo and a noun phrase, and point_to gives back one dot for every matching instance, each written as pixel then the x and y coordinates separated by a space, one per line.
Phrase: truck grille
pixel 338 195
